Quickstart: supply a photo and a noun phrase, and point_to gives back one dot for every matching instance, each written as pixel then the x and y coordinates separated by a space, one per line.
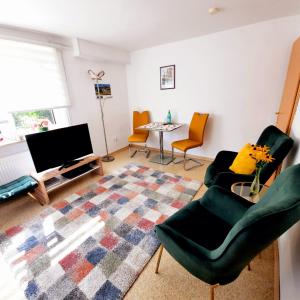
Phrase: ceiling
pixel 136 24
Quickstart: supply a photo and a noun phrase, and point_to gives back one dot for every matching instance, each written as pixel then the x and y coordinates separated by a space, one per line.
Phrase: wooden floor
pixel 172 282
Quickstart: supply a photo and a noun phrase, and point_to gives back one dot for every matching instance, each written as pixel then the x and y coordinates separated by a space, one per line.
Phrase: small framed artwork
pixel 102 89
pixel 167 77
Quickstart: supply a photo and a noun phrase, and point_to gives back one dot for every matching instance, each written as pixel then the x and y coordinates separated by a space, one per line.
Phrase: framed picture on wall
pixel 102 89
pixel 167 77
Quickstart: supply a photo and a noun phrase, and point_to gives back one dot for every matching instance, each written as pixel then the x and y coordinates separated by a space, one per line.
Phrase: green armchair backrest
pixel 216 236
pixel 280 144
pixel 218 172
pixel 261 224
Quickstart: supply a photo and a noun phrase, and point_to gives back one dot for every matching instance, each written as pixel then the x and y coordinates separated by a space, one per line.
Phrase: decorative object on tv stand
pixel 261 155
pixel 167 77
pixel 103 92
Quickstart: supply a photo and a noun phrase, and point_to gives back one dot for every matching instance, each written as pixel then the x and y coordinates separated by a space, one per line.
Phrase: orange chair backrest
pixel 139 119
pixel 197 127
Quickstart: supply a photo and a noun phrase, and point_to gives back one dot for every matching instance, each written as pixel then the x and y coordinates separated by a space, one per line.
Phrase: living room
pixel 234 64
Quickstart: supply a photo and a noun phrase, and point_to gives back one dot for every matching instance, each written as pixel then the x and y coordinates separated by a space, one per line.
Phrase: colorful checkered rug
pixel 94 244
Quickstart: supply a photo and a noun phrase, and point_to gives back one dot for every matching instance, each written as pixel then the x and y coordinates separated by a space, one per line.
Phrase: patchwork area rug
pixel 94 244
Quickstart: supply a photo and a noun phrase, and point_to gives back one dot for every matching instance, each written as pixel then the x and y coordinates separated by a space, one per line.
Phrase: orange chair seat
pixel 138 138
pixel 185 145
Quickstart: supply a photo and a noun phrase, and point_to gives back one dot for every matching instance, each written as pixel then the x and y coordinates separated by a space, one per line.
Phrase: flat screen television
pixel 57 147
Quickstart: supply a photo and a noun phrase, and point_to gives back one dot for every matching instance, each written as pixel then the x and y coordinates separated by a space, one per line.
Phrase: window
pixel 33 89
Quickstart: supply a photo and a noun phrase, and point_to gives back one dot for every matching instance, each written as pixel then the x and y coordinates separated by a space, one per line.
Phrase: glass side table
pixel 243 189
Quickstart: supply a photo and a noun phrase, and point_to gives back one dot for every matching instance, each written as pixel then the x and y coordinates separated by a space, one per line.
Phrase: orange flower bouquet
pixel 262 155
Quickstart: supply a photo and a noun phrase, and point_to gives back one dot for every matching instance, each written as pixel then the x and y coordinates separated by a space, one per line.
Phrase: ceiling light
pixel 214 10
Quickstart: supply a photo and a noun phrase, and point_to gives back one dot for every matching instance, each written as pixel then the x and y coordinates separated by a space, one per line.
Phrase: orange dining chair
pixel 139 135
pixel 196 133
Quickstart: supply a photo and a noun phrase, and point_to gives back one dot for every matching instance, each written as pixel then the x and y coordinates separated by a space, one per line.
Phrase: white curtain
pixel 31 77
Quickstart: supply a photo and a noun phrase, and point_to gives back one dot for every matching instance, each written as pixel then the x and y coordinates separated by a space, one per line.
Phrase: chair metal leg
pixel 147 151
pixel 144 149
pixel 172 153
pixel 212 291
pixel 198 163
pixel 161 248
pixel 185 160
pixel 133 154
pixel 174 159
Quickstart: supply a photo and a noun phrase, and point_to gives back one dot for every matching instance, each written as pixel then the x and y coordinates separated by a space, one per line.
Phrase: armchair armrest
pixel 225 158
pixel 221 163
pixel 226 179
pixel 226 205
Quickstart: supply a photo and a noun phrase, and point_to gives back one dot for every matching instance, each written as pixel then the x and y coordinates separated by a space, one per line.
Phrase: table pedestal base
pixel 158 160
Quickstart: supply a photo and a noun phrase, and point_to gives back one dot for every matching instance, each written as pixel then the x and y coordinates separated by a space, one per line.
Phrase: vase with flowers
pixel 42 125
pixel 261 154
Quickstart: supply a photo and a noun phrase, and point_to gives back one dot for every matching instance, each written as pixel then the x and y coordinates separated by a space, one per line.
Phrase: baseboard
pixel 177 154
pixel 276 272
pixel 118 151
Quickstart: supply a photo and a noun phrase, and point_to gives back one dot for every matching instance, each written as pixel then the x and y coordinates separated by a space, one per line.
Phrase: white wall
pixel 237 76
pixel 85 107
pixel 289 243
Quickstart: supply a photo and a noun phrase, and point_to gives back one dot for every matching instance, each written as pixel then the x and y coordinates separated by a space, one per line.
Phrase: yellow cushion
pixel 138 138
pixel 185 145
pixel 243 163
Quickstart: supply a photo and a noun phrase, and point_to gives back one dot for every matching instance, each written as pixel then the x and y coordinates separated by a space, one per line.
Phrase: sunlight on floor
pixel 14 264
pixel 9 285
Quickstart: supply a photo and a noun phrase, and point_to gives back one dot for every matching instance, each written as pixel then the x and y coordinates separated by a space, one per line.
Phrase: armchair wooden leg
pixel 249 267
pixel 161 248
pixel 212 291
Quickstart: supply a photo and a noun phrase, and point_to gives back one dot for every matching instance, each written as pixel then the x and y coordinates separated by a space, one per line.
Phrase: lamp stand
pixel 107 157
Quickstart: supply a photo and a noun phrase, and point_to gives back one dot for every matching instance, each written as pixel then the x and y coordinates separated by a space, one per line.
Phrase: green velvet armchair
pixel 215 237
pixel 218 172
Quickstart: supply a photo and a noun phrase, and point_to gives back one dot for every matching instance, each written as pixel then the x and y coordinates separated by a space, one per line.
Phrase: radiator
pixel 15 166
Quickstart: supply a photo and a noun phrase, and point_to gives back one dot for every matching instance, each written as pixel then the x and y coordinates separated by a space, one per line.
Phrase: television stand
pixel 69 164
pixel 55 178
pixel 78 171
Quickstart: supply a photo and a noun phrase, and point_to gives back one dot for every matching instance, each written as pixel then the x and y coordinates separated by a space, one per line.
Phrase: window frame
pixel 67 120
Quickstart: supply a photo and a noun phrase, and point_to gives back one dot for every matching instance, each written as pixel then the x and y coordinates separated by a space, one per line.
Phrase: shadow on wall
pixel 291 159
pixel 295 250
pixel 290 242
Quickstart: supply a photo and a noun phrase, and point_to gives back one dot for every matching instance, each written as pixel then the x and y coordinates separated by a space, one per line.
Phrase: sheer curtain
pixel 31 77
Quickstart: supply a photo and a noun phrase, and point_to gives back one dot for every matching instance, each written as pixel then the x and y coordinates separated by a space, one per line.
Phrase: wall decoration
pixel 167 77
pixel 102 89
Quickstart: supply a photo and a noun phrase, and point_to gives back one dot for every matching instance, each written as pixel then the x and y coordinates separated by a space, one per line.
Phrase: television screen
pixel 56 147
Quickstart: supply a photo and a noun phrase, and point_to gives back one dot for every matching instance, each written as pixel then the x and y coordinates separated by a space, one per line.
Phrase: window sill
pixel 7 142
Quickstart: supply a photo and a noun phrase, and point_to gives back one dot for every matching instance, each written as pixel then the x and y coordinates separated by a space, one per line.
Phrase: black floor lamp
pixel 97 77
